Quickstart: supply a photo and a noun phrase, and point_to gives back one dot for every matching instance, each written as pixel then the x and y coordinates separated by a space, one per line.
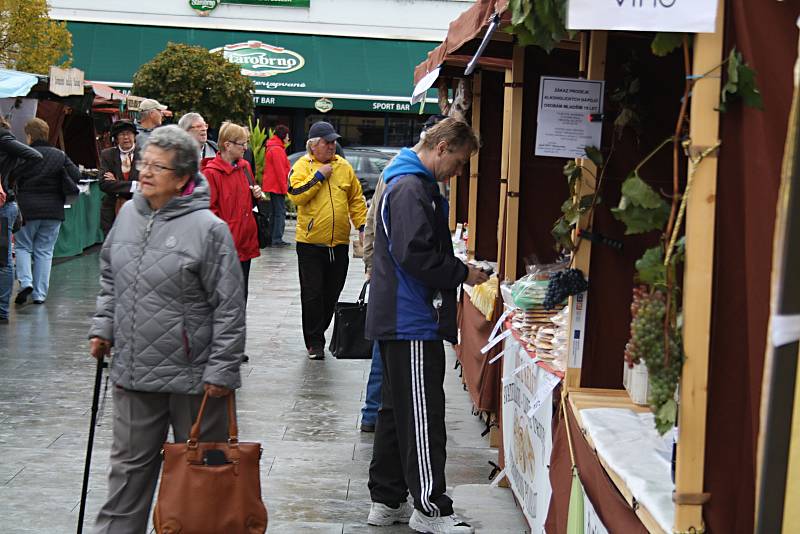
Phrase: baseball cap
pixel 149 104
pixel 324 130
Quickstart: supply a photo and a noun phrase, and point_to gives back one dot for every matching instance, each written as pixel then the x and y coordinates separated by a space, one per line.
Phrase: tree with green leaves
pixel 189 78
pixel 30 40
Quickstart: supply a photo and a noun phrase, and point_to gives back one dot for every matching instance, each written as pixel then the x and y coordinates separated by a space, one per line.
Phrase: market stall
pixel 72 130
pixel 624 465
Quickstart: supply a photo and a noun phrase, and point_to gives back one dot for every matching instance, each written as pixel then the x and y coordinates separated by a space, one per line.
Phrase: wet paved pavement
pixel 305 413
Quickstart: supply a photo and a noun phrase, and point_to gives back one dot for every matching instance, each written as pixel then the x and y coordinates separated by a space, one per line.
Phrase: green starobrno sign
pixel 278 3
pixel 203 7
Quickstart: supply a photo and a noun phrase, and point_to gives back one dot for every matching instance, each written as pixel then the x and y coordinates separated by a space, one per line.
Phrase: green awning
pixel 296 70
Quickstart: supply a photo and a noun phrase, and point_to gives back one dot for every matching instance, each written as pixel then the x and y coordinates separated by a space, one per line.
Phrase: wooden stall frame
pixel 472 216
pixel 453 199
pixel 596 71
pixel 504 149
pixel 512 140
pixel 698 284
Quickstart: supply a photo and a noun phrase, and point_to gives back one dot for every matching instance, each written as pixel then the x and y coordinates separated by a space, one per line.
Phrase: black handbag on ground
pixel 262 216
pixel 348 341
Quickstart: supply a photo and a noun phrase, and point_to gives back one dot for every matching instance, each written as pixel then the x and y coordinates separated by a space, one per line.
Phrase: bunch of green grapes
pixel 646 345
pixel 647 310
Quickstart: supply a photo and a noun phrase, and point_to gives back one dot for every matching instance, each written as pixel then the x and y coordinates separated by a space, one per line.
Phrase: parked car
pixel 391 150
pixel 368 164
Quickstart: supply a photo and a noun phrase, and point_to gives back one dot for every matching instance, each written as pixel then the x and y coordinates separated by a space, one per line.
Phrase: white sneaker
pixel 448 524
pixel 381 515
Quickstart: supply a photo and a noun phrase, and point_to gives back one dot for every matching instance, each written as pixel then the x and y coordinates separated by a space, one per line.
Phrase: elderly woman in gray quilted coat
pixel 171 309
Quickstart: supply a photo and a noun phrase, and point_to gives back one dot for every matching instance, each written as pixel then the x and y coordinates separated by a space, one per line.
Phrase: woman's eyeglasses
pixel 157 169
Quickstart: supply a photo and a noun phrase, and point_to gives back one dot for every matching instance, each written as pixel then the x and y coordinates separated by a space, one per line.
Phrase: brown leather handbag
pixel 211 488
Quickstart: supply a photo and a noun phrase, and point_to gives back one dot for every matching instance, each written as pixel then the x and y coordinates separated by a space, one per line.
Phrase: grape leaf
pixel 679 251
pixel 664 43
pixel 571 213
pixel 640 220
pixel 594 154
pixel 640 194
pixel 520 9
pixel 741 82
pixel 626 117
pixel 573 172
pixel 562 233
pixel 748 91
pixel 650 267
pixel 666 416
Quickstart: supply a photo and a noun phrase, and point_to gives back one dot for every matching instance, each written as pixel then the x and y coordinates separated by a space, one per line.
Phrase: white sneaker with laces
pixel 381 515
pixel 448 524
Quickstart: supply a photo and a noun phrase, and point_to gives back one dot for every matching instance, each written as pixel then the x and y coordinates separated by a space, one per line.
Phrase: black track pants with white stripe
pixel 409 451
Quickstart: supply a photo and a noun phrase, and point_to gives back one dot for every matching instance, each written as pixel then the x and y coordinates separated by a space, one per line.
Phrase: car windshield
pixel 379 163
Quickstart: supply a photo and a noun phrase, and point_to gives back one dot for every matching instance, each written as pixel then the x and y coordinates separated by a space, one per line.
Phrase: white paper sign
pixel 685 16
pixel 563 127
pixel 527 441
pixel 591 521
pixel 545 384
pixel 577 329
pixel 66 82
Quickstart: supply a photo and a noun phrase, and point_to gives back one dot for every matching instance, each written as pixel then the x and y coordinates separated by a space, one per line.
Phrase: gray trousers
pixel 141 423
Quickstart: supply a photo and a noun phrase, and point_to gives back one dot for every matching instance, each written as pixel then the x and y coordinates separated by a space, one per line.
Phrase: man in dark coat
pixel 12 154
pixel 40 193
pixel 118 175
pixel 412 309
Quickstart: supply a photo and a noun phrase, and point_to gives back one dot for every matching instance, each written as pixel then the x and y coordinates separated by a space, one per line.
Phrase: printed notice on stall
pixel 566 106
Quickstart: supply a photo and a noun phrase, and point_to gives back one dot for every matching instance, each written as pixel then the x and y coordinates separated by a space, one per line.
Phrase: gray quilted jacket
pixel 171 298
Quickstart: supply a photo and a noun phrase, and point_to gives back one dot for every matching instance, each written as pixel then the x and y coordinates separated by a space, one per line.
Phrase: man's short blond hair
pixel 457 134
pixel 232 132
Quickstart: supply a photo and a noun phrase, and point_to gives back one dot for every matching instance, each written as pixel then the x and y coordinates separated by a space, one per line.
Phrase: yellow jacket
pixel 325 207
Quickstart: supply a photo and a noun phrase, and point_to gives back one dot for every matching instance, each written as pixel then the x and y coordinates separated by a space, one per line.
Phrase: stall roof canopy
pixel 282 65
pixel 471 24
pixel 14 83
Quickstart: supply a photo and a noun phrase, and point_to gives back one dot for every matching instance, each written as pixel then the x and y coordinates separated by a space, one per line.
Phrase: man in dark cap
pixel 118 175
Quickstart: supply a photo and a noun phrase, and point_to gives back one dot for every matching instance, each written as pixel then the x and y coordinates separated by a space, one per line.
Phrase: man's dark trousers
pixel 411 427
pixel 323 271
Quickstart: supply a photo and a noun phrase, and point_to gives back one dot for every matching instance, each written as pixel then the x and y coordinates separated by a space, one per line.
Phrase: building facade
pixel 349 62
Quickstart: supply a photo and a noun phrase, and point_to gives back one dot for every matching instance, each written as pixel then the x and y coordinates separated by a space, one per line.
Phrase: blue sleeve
pixel 413 238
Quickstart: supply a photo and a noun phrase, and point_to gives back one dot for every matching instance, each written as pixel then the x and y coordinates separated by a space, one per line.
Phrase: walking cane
pixel 98 375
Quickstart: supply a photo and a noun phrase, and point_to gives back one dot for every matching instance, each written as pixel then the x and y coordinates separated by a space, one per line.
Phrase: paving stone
pixel 305 413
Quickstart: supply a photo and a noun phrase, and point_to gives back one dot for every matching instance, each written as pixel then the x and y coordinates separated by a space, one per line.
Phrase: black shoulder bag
pixel 348 341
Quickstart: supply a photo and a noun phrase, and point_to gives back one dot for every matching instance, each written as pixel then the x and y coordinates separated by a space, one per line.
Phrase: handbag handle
pixel 233 429
pixel 363 294
pixel 252 183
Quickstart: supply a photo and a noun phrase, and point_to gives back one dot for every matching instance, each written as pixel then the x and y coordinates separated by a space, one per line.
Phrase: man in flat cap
pixel 150 118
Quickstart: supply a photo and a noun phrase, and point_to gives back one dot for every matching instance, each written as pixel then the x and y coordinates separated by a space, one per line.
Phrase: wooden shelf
pixel 583 398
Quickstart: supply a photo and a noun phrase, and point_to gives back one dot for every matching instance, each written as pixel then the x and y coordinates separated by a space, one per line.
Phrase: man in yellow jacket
pixel 328 197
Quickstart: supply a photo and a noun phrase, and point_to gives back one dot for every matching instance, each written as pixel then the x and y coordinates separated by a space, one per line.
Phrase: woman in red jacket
pixel 230 178
pixel 275 182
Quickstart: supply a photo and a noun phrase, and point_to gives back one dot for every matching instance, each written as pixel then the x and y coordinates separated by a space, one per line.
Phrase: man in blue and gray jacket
pixel 412 310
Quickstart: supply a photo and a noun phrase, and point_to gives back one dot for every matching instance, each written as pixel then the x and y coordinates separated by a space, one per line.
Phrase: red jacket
pixel 232 201
pixel 276 167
